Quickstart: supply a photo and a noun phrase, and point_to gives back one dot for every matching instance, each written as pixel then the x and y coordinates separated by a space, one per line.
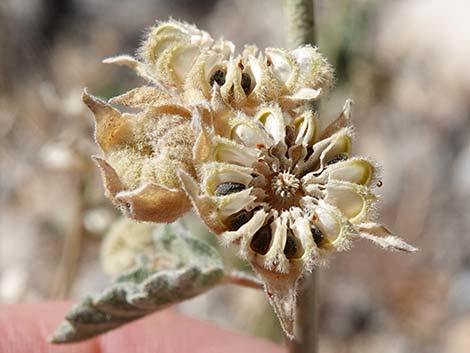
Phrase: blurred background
pixel 405 64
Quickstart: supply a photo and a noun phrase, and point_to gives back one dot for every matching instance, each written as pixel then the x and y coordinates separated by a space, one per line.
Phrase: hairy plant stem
pixel 300 16
pixel 242 279
pixel 300 22
pixel 306 316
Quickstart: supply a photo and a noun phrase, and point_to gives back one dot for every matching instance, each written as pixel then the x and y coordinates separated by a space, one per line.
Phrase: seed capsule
pixel 338 158
pixel 246 83
pixel 228 188
pixel 219 77
pixel 237 220
pixel 262 240
pixel 317 235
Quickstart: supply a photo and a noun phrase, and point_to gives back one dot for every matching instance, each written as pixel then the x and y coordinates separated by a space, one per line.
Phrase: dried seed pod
pixel 292 170
pixel 183 59
pixel 304 74
pixel 172 48
pixel 235 136
pixel 179 58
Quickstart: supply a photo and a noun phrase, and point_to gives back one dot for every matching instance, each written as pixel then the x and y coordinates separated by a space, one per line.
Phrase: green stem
pixel 300 22
pixel 306 316
pixel 300 15
pixel 242 279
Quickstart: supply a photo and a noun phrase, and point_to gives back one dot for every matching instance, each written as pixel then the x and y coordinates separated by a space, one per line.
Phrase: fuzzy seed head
pixel 235 137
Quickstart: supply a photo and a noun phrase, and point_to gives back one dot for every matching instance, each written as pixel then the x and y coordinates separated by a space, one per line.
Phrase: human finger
pixel 24 328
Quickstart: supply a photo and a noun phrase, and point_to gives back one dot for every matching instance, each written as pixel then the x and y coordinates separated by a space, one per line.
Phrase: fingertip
pixel 26 328
pixel 171 332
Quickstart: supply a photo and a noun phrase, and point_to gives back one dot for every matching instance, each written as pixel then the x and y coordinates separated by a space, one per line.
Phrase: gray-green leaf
pixel 183 266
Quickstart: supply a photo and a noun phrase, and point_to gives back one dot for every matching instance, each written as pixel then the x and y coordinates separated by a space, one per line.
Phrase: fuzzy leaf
pixel 183 266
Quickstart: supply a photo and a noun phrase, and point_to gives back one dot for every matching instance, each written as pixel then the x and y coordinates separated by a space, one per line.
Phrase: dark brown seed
pixel 219 77
pixel 309 152
pixel 317 235
pixel 290 135
pixel 237 220
pixel 261 240
pixel 269 62
pixel 290 249
pixel 228 188
pixel 246 83
pixel 337 158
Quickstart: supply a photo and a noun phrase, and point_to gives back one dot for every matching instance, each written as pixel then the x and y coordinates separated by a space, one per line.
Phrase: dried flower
pixel 188 71
pixel 240 134
pixel 287 192
pixel 187 63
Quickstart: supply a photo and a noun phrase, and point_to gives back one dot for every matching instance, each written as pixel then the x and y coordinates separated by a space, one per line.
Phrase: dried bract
pixel 143 152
